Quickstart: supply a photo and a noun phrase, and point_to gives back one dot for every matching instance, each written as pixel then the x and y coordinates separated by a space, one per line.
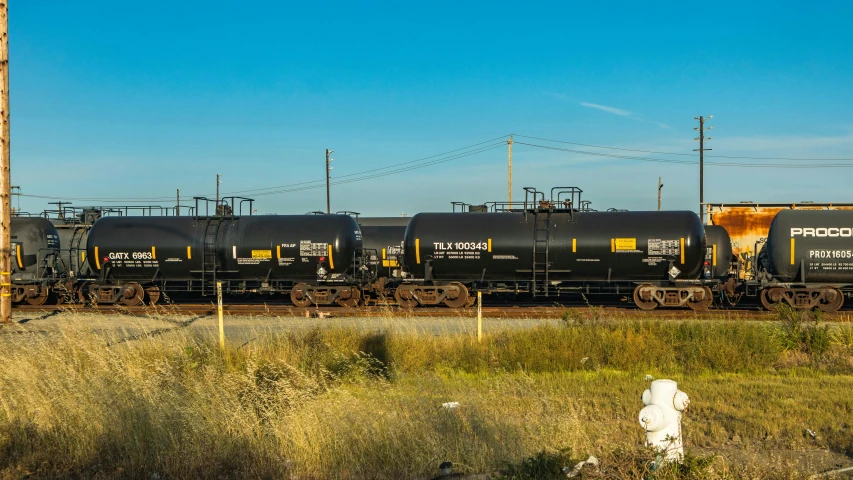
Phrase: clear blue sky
pixel 134 100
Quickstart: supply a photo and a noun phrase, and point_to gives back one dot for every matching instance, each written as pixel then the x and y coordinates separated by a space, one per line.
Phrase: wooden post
pixel 219 311
pixel 5 180
pixel 479 316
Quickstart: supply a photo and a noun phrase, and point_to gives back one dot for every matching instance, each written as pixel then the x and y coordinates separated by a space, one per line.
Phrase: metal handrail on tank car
pixel 553 203
pixel 348 212
pixel 574 192
pixel 230 202
pixel 538 202
pixel 74 215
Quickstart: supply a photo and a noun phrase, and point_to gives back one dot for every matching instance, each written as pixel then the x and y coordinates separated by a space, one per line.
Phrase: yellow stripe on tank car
pixel 18 254
pixel 490 245
pixel 383 254
pixel 612 245
pixel 331 262
pixel 574 245
pixel 189 253
pixel 83 256
pixel 418 251
pixel 97 259
pixel 278 251
pixel 714 255
pixel 792 251
pixel 153 253
pixel 682 250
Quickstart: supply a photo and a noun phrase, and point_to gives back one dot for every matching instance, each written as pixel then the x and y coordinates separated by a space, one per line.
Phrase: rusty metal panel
pixel 749 222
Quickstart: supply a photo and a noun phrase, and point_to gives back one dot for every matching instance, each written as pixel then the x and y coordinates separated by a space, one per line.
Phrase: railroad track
pixel 499 311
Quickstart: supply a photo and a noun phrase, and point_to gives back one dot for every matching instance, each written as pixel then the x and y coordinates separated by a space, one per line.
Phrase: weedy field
pixel 769 400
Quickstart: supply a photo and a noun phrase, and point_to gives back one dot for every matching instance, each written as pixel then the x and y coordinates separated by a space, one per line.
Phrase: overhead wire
pixel 689 162
pixel 474 149
pixel 396 168
pixel 735 157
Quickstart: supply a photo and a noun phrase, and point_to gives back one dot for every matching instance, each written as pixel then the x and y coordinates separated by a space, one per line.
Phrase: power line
pixel 690 154
pixel 393 169
pixel 385 174
pixel 688 162
pixel 371 170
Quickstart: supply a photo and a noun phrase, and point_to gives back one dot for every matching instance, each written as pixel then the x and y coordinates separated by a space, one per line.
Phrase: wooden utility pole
pixel 328 168
pixel 5 172
pixel 509 171
pixel 701 151
pixel 178 205
pixel 660 186
pixel 218 181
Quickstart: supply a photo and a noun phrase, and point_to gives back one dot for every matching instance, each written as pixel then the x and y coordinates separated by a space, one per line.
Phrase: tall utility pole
pixel 509 171
pixel 218 181
pixel 660 186
pixel 5 172
pixel 328 168
pixel 701 151
pixel 178 205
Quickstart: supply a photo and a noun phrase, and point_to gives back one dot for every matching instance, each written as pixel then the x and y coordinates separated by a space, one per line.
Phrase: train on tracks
pixel 552 247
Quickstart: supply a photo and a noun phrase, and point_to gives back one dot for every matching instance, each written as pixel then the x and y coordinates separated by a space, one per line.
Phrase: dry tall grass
pixel 340 403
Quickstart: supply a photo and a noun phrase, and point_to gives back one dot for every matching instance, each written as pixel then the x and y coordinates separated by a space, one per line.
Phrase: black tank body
pixel 718 251
pixel 382 239
pixel 817 243
pixel 274 247
pixel 582 246
pixel 35 248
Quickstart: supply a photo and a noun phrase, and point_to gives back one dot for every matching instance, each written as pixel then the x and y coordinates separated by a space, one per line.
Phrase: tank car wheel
pixel 765 299
pixel 404 297
pixel 132 294
pixel 703 304
pixel 352 298
pixel 472 300
pixel 39 299
pixel 461 297
pixel 153 294
pixel 299 295
pixel 84 294
pixel 834 304
pixel 650 304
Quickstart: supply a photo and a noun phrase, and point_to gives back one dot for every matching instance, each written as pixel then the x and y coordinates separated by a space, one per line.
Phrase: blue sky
pixel 117 100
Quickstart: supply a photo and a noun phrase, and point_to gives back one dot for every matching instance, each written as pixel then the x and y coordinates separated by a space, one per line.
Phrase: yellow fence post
pixel 479 316
pixel 219 311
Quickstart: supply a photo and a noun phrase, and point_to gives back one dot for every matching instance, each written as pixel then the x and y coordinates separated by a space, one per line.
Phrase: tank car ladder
pixel 541 254
pixel 209 265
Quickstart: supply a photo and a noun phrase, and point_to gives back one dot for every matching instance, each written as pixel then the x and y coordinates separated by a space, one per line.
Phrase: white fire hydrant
pixel 662 418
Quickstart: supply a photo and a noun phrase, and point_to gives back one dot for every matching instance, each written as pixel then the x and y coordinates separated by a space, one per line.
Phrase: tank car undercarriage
pixel 825 298
pixel 646 296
